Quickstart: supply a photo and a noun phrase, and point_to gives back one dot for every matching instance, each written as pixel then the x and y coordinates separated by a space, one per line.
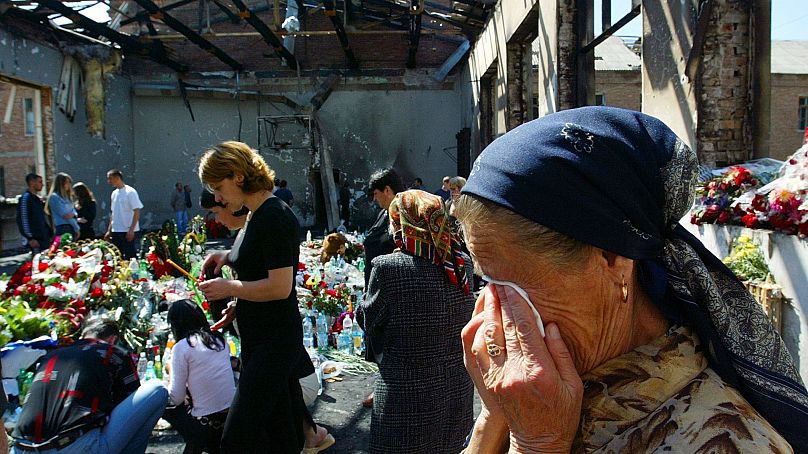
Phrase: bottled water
pixel 358 339
pixel 308 236
pixel 322 331
pixel 150 374
pixel 345 335
pixel 308 338
pixel 142 364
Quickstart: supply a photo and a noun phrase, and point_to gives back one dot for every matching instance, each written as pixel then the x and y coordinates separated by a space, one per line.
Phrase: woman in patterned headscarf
pixel 651 343
pixel 417 302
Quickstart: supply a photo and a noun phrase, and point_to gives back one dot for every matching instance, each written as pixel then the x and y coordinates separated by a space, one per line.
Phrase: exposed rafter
pixel 416 10
pixel 125 41
pixel 139 16
pixel 195 37
pixel 268 35
pixel 331 13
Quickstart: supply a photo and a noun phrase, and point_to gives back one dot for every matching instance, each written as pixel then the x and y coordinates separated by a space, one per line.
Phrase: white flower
pixel 118 313
pixel 198 249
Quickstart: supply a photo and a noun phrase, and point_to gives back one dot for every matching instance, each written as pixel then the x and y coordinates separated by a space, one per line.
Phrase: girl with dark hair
pixel 201 384
pixel 85 208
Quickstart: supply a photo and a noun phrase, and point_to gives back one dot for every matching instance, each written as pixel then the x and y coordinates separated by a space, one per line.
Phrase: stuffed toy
pixel 333 245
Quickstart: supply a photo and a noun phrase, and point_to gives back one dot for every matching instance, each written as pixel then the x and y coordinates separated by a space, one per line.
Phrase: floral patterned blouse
pixel 664 397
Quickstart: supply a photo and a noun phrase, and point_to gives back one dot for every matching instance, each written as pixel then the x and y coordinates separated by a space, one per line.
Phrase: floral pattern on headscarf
pixel 421 227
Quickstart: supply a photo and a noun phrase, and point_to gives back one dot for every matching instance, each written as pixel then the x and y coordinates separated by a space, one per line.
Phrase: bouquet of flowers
pixel 716 197
pixel 66 283
pixel 746 260
pixel 736 198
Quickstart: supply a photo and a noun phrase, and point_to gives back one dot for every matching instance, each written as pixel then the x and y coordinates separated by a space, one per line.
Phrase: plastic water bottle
pixel 346 334
pixel 308 337
pixel 142 364
pixel 308 236
pixel 358 339
pixel 150 374
pixel 342 228
pixel 322 331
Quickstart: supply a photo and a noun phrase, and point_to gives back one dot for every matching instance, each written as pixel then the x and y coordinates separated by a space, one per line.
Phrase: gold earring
pixel 624 286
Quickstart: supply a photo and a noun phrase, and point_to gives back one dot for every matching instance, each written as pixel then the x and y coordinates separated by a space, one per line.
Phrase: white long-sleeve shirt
pixel 205 373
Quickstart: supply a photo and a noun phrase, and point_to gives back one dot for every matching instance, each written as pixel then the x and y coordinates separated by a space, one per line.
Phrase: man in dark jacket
pixel 31 216
pixel 86 398
pixel 383 187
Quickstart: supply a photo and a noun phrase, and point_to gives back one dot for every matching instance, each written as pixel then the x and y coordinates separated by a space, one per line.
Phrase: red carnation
pixel 96 293
pixel 26 279
pixel 206 306
pixel 750 220
pixel 42 266
pixel 70 253
pixel 724 217
pixel 760 203
pixel 26 267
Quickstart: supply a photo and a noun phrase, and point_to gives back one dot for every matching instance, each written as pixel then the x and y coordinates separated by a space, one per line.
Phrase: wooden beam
pixel 156 12
pixel 126 41
pixel 416 11
pixel 635 11
pixel 268 35
pixel 694 56
pixel 139 16
pixel 331 12
pixel 230 14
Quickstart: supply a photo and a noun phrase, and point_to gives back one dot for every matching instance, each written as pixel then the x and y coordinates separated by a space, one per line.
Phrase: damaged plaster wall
pixel 411 130
pixel 84 157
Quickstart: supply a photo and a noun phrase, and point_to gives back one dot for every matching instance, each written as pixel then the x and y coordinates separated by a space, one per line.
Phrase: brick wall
pixel 17 151
pixel 786 136
pixel 620 88
pixel 724 127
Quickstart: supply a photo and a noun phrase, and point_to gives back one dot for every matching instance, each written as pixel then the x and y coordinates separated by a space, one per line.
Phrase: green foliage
pixel 19 322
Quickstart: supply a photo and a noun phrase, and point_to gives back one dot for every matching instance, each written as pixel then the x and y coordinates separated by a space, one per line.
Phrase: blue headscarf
pixel 620 180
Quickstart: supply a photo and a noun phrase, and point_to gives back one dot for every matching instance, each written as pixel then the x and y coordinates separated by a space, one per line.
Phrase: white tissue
pixel 521 293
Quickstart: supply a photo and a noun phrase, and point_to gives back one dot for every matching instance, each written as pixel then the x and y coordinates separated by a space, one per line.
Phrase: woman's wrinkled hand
pixel 532 380
pixel 217 259
pixel 217 289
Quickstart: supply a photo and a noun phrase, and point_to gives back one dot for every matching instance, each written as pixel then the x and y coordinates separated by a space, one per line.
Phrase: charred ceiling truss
pixel 268 35
pixel 331 13
pixel 159 18
pixel 157 13
pixel 127 42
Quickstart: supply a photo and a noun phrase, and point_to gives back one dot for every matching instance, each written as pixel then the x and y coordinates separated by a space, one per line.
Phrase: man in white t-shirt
pixel 124 215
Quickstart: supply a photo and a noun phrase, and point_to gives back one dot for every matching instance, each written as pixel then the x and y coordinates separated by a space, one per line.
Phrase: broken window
pixel 28 107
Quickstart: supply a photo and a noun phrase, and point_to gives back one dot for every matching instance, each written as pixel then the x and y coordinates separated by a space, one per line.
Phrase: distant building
pixel 789 95
pixel 618 81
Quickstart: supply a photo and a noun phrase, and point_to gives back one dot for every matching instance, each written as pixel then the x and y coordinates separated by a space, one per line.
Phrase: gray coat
pixel 424 395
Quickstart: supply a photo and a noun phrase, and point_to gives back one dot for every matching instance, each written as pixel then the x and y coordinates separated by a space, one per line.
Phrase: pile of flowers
pixel 738 198
pixel 61 286
pixel 746 260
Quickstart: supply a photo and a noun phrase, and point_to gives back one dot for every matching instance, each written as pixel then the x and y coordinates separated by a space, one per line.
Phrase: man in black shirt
pixel 86 398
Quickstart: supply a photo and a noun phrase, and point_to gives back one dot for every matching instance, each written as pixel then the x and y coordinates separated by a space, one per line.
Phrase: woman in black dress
pixel 268 410
pixel 85 207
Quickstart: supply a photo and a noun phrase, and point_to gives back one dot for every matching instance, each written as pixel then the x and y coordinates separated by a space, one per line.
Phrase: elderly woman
pixel 651 343
pixel 417 302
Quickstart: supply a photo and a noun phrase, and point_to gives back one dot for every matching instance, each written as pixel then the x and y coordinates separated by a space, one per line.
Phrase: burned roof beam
pixel 125 41
pixel 266 33
pixel 416 11
pixel 465 28
pixel 331 13
pixel 230 14
pixel 195 37
pixel 141 14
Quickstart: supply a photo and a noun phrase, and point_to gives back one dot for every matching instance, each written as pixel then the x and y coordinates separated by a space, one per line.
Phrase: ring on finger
pixel 493 349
